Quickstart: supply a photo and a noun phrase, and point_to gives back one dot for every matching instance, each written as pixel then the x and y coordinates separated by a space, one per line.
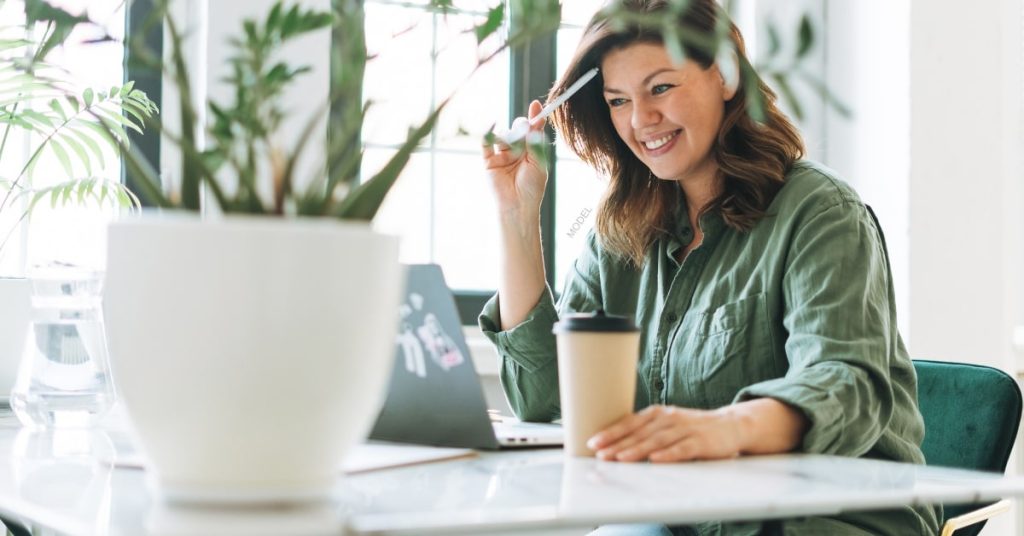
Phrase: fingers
pixel 622 428
pixel 637 436
pixel 685 449
pixel 666 434
pixel 498 155
pixel 535 108
pixel 643 447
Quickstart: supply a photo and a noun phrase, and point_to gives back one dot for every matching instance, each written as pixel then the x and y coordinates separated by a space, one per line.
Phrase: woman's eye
pixel 661 88
pixel 616 102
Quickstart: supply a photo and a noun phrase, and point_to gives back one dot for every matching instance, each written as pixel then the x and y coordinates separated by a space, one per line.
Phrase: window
pixel 70 233
pixel 441 206
pixel 578 188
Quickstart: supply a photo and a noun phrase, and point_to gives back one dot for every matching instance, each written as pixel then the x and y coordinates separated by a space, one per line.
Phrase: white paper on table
pixel 363 458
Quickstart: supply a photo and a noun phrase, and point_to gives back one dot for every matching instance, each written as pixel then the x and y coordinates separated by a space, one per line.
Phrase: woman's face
pixel 668 115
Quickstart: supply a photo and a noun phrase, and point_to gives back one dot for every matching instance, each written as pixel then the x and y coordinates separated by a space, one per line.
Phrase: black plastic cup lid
pixel 599 322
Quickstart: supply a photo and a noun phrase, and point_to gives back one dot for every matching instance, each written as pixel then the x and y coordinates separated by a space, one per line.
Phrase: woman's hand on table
pixel 673 434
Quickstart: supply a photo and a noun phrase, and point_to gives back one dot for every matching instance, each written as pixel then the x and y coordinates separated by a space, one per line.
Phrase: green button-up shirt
pixel 800 309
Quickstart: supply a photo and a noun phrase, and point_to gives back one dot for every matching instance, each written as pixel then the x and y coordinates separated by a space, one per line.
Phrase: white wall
pixel 868 68
pixel 861 53
pixel 966 200
pixel 965 180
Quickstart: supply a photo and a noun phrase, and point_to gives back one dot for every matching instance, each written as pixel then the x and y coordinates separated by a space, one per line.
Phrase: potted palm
pixel 45 114
pixel 251 347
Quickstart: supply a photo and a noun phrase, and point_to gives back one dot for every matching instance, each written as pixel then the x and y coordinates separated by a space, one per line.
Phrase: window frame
pixel 148 143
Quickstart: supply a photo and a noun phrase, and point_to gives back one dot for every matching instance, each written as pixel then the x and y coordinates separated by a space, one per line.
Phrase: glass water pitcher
pixel 64 377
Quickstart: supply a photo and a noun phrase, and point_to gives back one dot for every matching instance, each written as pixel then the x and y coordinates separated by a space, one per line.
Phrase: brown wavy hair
pixel 753 157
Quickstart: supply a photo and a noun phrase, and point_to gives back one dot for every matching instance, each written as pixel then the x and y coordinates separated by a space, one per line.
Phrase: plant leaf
pixel 64 23
pixel 30 168
pixel 806 39
pixel 786 90
pixel 8 44
pixel 62 156
pixel 363 201
pixel 495 17
pixel 674 46
pixel 89 141
pixel 79 151
pixel 774 42
pixel 115 116
pixel 755 102
pixel 55 106
pixel 41 119
pixel 110 131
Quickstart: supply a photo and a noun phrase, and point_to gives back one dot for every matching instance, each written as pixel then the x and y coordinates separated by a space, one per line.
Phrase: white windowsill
pixel 485 357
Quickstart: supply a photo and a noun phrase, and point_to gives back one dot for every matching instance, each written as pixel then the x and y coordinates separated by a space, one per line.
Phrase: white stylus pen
pixel 521 126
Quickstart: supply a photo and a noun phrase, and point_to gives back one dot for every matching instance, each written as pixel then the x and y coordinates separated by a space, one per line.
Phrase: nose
pixel 644 114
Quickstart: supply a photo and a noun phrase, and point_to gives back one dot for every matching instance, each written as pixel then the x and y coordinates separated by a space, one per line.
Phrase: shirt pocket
pixel 732 349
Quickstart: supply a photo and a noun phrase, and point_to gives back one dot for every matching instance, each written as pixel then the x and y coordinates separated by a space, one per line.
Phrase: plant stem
pixel 189 180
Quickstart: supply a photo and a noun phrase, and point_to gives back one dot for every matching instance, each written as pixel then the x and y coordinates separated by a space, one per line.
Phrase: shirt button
pixel 659 384
pixel 671 317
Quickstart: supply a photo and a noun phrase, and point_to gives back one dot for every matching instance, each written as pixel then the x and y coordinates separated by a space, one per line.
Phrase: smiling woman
pixel 645 93
pixel 760 281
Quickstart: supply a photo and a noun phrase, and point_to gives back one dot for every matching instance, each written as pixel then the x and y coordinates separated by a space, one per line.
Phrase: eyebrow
pixel 644 82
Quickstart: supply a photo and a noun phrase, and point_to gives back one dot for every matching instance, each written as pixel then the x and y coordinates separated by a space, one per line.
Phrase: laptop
pixel 435 396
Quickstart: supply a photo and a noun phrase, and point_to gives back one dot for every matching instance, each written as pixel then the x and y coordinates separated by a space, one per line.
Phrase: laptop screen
pixel 434 397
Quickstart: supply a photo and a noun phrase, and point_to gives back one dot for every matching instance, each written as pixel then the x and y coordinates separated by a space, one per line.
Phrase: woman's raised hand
pixel 518 178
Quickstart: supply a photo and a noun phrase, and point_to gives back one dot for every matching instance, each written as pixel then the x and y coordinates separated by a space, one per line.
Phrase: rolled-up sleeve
pixel 529 370
pixel 529 366
pixel 840 332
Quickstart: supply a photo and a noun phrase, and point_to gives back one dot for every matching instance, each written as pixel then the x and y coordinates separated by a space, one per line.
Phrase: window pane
pixel 406 210
pixel 481 98
pixel 465 222
pixel 68 234
pixel 578 191
pixel 442 204
pixel 578 187
pixel 398 75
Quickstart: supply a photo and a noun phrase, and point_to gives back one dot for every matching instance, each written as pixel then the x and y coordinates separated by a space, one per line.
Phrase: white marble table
pixel 60 485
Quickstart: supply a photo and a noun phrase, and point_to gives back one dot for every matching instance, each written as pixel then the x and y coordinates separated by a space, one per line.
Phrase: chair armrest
pixel 975 516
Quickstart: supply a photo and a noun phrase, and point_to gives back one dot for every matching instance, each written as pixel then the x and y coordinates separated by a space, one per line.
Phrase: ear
pixel 728 66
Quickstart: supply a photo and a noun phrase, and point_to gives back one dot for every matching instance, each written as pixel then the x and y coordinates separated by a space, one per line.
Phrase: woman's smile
pixel 662 144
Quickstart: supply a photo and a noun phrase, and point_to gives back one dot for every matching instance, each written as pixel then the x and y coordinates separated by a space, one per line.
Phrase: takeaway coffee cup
pixel 597 355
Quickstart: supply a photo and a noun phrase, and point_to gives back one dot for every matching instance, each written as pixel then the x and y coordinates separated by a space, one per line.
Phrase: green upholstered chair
pixel 971 415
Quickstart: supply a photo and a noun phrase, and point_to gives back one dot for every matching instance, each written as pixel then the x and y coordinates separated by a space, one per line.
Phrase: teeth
pixel 654 144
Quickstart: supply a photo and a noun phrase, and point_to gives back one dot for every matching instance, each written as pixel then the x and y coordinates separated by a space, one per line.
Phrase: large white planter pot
pixel 15 312
pixel 250 353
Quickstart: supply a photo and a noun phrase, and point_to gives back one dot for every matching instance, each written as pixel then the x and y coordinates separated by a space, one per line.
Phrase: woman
pixel 760 281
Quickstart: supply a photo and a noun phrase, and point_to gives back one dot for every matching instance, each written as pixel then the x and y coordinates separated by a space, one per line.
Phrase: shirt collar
pixel 682 234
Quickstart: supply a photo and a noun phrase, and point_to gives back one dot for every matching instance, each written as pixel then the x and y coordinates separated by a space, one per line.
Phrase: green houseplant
pixel 43 105
pixel 266 335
